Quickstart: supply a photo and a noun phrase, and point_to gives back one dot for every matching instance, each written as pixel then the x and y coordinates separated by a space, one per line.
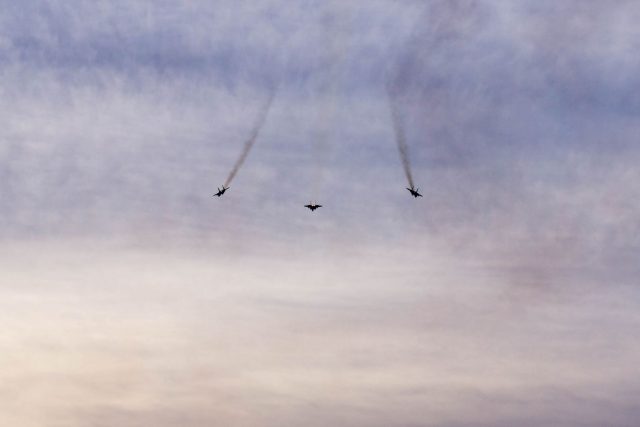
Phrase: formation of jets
pixel 313 206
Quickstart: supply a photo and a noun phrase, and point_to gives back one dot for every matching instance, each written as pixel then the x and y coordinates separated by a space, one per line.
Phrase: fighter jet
pixel 221 192
pixel 414 192
pixel 312 206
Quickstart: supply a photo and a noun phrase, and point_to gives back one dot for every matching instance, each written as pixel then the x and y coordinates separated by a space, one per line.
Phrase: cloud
pixel 507 143
pixel 100 333
pixel 506 296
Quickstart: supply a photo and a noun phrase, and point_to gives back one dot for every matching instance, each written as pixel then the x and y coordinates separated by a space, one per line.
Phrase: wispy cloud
pixel 507 295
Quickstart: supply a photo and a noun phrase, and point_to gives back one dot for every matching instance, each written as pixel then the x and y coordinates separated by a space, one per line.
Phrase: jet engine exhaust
pixel 401 140
pixel 253 136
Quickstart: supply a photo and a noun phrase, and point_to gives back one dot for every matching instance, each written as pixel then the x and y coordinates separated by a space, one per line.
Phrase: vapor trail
pixel 253 136
pixel 401 139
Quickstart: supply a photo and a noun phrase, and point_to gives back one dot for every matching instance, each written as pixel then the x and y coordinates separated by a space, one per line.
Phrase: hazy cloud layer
pixel 506 296
pixel 100 335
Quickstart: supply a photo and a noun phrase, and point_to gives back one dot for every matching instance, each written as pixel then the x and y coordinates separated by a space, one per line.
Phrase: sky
pixel 507 295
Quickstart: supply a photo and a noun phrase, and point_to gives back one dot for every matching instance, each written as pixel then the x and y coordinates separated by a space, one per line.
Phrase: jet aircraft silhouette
pixel 221 192
pixel 313 206
pixel 414 192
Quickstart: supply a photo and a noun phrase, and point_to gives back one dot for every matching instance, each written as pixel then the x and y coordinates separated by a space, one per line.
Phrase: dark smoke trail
pixel 253 136
pixel 401 139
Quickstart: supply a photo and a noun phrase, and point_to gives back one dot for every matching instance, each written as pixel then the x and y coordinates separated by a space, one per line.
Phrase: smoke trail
pixel 253 136
pixel 401 139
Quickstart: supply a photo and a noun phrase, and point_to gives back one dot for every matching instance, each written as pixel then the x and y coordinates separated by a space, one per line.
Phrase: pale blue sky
pixel 507 295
